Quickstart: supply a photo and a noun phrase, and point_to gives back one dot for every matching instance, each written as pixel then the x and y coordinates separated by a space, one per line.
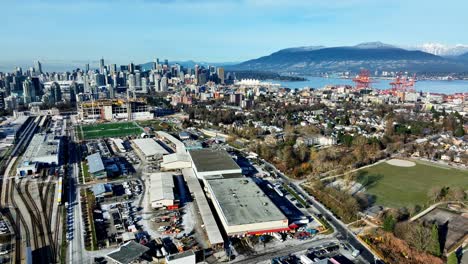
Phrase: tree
pixel 435 243
pixel 452 259
pixel 434 193
pixel 459 132
pixel 389 223
pixel 457 193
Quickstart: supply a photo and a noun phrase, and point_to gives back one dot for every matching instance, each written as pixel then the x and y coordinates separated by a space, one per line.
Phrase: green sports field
pixel 395 186
pixel 120 129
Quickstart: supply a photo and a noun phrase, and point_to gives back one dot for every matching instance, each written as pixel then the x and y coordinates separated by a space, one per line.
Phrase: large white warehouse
pixel 212 162
pixel 243 207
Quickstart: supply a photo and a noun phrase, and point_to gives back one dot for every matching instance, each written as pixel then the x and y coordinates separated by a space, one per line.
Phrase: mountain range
pixel 371 55
pixel 442 49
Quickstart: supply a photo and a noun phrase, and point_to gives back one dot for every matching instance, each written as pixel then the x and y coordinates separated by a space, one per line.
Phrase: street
pixel 338 225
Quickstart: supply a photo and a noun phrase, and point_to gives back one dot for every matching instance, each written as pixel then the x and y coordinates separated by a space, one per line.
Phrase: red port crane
pixel 363 80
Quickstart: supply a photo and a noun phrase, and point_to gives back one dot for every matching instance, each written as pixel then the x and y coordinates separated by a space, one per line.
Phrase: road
pixel 274 253
pixel 76 244
pixel 337 224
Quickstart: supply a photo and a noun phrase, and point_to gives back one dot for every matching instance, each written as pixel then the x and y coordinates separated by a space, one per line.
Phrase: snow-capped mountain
pixel 442 49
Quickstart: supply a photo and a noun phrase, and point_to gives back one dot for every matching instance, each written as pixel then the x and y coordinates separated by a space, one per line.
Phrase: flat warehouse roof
pixel 213 160
pixel 243 202
pixel 162 186
pixel 211 227
pixel 95 163
pixel 149 147
pixel 41 145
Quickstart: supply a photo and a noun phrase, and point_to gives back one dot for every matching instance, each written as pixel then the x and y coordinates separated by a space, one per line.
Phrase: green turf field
pixel 395 186
pixel 109 130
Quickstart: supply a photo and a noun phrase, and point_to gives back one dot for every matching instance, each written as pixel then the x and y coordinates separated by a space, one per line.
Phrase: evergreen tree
pixel 435 243
pixel 452 259
pixel 389 223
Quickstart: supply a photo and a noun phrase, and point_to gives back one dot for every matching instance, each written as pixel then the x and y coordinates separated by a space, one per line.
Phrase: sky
pixel 78 31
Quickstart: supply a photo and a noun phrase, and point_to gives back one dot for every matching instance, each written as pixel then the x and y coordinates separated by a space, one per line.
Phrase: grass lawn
pixel 85 172
pixel 395 186
pixel 119 129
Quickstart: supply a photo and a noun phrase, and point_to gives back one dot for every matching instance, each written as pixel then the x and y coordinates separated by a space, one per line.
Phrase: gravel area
pixel 401 163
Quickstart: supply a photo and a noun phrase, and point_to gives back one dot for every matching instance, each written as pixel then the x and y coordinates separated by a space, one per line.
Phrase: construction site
pixel 114 109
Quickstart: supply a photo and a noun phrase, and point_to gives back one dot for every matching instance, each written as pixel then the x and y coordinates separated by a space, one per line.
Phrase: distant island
pixel 260 75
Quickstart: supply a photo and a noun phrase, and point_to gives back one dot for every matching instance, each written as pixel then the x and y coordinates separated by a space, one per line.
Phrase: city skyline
pixel 225 30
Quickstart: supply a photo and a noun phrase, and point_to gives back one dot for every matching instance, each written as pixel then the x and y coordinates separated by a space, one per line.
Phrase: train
pixel 59 191
pixel 36 120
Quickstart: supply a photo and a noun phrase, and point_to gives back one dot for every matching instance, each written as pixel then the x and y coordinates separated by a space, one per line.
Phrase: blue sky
pixel 215 30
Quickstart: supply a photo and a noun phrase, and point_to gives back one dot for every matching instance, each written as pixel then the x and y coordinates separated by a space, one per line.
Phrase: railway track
pixel 8 201
pixel 47 203
pixel 37 226
pixel 19 221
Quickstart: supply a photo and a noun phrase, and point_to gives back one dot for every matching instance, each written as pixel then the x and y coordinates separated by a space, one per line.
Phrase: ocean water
pixel 446 87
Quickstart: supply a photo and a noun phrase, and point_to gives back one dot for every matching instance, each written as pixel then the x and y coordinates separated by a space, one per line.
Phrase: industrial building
pixel 11 129
pixel 174 143
pixel 243 207
pixel 129 252
pixel 212 162
pixel 187 257
pixel 149 149
pixel 96 166
pixel 211 227
pixel 118 143
pixel 176 161
pixel 114 109
pixel 161 193
pixel 44 149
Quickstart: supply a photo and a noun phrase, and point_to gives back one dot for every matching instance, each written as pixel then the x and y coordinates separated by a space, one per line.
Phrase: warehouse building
pixel 43 149
pixel 161 193
pixel 243 207
pixel 213 162
pixel 96 166
pixel 130 252
pixel 12 128
pixel 210 226
pixel 172 141
pixel 176 161
pixel 148 149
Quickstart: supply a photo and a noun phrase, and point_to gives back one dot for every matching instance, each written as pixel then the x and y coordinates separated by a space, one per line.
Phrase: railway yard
pixel 32 203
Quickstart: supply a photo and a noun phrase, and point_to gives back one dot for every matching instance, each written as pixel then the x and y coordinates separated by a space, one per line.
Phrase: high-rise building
pixel 36 88
pixel 11 103
pixel 57 92
pixel 131 82
pixel 163 86
pixel 131 67
pixel 27 92
pixel 101 66
pixel 113 69
pixel 73 92
pixel 100 79
pixel 220 72
pixel 111 91
pixel 38 67
pixel 138 80
pixel 86 67
pixel 144 85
